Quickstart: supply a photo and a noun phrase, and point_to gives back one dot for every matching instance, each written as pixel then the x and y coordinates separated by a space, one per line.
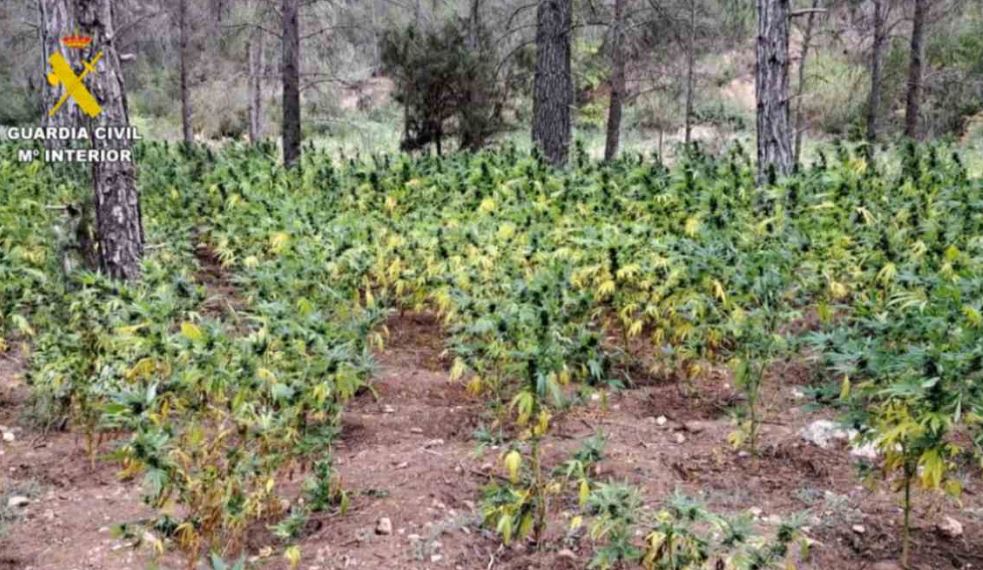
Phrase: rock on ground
pixel 17 502
pixel 823 432
pixel 950 528
pixel 384 526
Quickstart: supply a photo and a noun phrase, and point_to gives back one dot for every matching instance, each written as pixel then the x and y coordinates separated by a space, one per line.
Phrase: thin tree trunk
pixel 119 227
pixel 291 83
pixel 552 84
pixel 617 83
pixel 256 49
pixel 771 90
pixel 474 31
pixel 690 56
pixel 218 10
pixel 913 103
pixel 56 21
pixel 375 27
pixel 801 88
pixel 186 129
pixel 876 54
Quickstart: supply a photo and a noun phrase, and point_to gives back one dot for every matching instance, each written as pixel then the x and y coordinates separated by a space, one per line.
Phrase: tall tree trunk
pixel 291 83
pixel 552 84
pixel 913 103
pixel 690 56
pixel 56 21
pixel 474 25
pixel 256 49
pixel 876 54
pixel 218 10
pixel 617 82
pixel 801 87
pixel 771 89
pixel 186 130
pixel 119 227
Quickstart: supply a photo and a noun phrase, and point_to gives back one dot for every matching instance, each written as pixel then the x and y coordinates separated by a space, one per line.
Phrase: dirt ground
pixel 408 453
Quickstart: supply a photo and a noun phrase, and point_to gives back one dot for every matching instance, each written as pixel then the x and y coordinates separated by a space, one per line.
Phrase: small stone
pixel 8 436
pixel 822 433
pixel 859 528
pixel 595 397
pixel 661 421
pixel 950 528
pixel 387 409
pixel 18 502
pixel 433 443
pixel 416 430
pixel 811 542
pixel 384 526
pixel 680 438
pixel 755 511
pixel 413 537
pixel 867 451
pixel 695 426
pixel 402 465
pixel 566 554
pixel 436 557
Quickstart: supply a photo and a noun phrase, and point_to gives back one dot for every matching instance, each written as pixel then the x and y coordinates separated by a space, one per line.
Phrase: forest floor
pixel 407 453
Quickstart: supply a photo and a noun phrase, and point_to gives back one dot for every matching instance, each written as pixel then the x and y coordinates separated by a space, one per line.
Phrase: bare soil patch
pixel 406 453
pixel 73 503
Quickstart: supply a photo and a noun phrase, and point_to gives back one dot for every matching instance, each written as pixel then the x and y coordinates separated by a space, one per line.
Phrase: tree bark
pixel 119 227
pixel 291 83
pixel 57 20
pixel 552 84
pixel 256 49
pixel 801 87
pixel 690 56
pixel 186 129
pixel 913 102
pixel 771 89
pixel 218 10
pixel 474 25
pixel 876 54
pixel 617 83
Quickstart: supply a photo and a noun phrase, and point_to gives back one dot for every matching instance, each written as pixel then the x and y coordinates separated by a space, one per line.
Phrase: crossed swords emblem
pixel 62 73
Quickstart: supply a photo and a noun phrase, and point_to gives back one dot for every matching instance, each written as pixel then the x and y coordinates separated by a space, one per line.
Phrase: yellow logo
pixel 62 73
